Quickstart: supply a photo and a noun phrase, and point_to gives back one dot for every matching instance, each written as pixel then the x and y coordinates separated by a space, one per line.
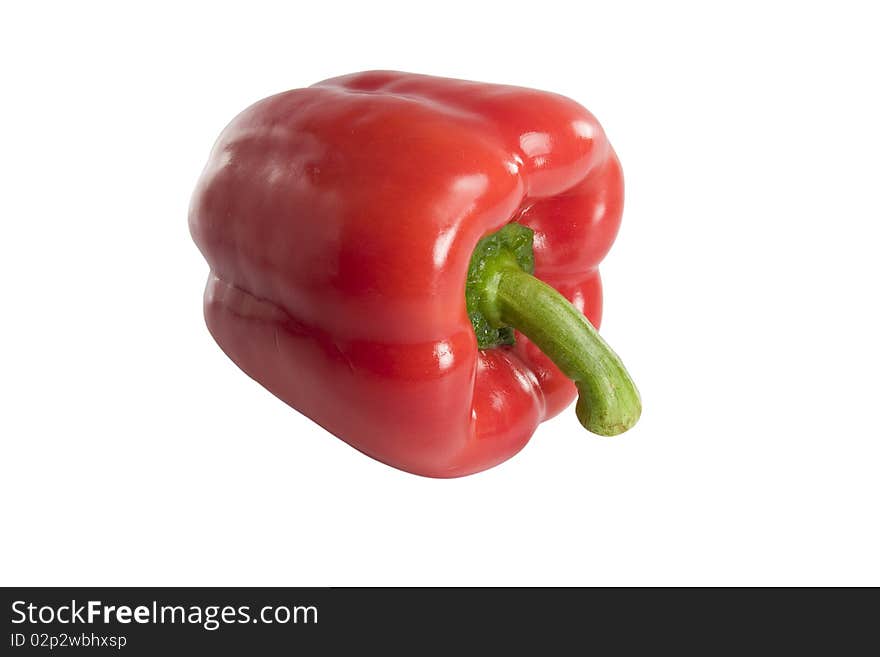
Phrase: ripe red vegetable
pixel 371 241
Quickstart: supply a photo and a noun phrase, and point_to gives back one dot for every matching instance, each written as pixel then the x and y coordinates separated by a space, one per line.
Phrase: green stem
pixel 502 294
pixel 608 401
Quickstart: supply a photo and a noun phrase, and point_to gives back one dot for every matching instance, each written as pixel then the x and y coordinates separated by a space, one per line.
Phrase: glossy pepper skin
pixel 339 221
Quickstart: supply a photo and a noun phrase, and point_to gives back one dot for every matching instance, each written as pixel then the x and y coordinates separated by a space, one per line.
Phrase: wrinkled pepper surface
pixel 411 262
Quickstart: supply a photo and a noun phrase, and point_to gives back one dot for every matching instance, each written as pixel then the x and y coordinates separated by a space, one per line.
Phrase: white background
pixel 742 294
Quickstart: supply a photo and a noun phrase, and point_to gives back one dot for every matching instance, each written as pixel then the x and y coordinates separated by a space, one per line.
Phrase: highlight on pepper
pixel 411 262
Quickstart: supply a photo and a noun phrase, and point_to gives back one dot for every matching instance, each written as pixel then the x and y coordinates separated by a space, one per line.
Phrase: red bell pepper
pixel 372 240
